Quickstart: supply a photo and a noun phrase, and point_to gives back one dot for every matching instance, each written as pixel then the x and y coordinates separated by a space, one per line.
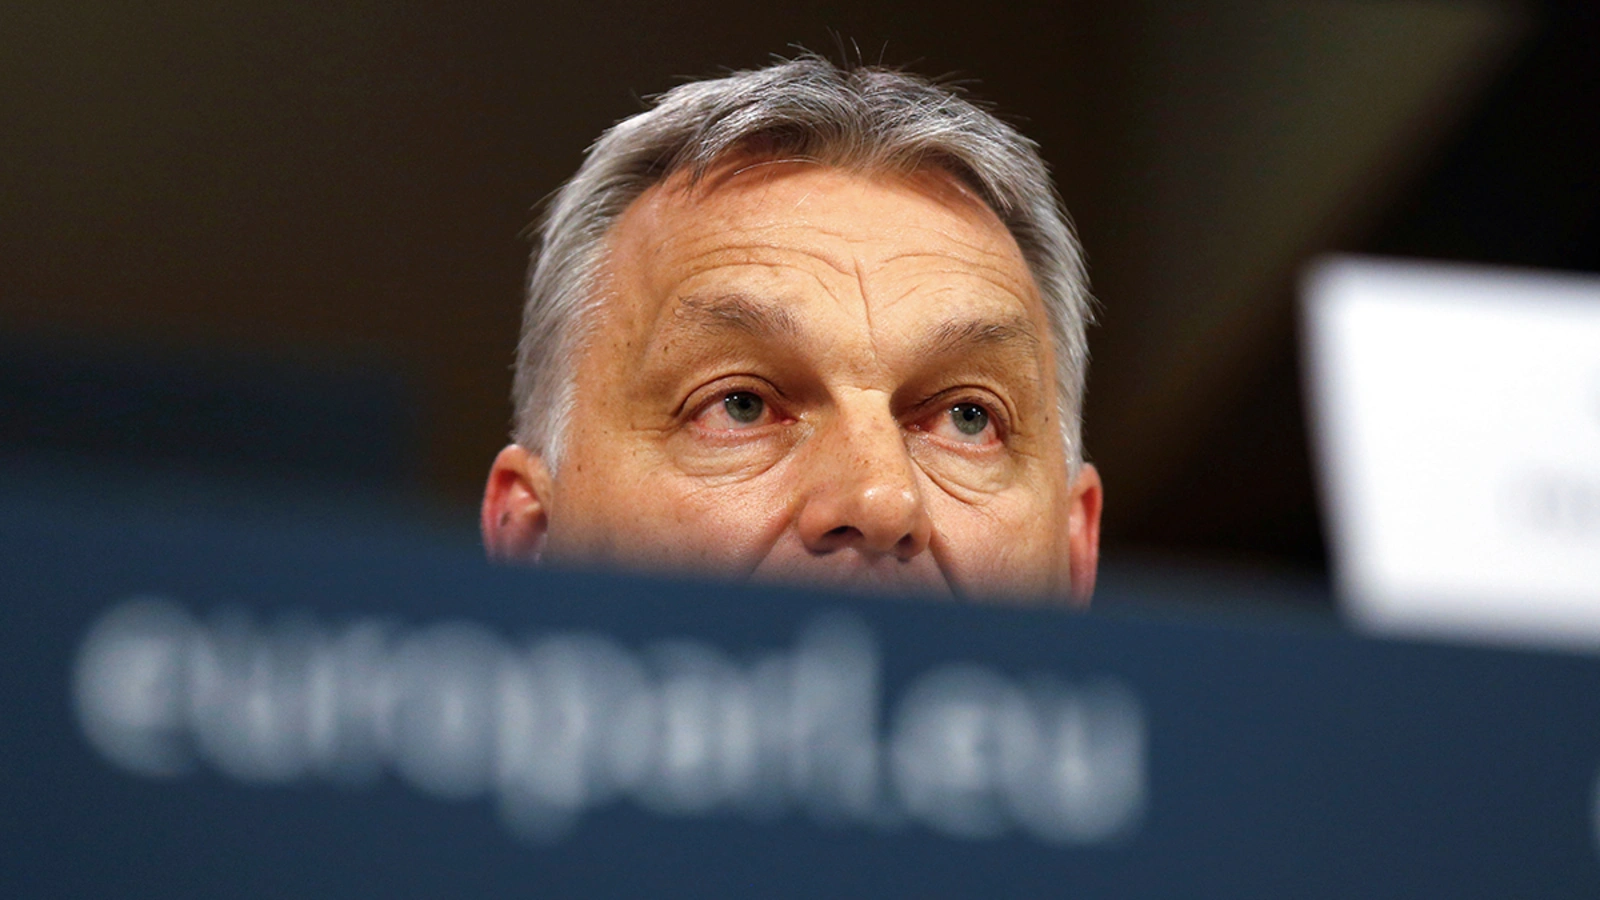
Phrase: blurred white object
pixel 1456 413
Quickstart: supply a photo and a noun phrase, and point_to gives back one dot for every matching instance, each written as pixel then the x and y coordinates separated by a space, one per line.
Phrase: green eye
pixel 969 418
pixel 744 407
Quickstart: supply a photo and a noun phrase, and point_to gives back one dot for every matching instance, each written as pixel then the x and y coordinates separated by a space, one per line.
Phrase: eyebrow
pixel 960 335
pixel 739 312
pixel 764 319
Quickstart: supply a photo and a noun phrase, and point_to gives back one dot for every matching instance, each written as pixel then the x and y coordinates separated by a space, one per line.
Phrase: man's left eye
pixel 744 407
pixel 734 411
pixel 969 423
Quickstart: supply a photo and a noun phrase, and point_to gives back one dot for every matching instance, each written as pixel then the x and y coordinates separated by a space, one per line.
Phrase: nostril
pixel 837 539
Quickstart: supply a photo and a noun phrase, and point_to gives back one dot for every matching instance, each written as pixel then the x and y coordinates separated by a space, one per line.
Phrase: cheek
pixel 637 512
pixel 718 464
pixel 1023 561
pixel 974 478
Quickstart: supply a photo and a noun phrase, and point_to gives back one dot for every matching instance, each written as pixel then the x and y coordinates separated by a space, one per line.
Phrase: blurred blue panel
pixel 189 410
pixel 1224 757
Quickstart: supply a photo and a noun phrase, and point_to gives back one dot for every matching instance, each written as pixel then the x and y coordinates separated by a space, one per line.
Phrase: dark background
pixel 281 244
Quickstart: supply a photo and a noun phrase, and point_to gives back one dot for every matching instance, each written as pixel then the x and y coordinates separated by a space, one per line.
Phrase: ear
pixel 1083 532
pixel 516 506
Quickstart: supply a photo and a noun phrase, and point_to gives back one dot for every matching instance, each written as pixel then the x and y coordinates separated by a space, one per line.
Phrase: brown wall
pixel 305 182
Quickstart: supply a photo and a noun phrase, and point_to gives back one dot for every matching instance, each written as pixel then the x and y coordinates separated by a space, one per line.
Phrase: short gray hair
pixel 860 118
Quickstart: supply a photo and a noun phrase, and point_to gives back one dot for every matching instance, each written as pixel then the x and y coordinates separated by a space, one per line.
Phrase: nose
pixel 861 489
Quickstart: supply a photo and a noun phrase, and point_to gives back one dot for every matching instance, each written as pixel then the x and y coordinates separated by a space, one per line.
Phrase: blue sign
pixel 196 709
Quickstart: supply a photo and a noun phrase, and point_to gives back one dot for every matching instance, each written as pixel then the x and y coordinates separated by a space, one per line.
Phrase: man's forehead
pixel 760 211
pixel 778 193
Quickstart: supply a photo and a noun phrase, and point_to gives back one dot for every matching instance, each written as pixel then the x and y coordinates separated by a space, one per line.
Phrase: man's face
pixel 801 373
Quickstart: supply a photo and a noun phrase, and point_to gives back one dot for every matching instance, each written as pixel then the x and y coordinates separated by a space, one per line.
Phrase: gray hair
pixel 862 118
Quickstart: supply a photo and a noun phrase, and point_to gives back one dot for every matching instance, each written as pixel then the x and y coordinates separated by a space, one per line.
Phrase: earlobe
pixel 1083 534
pixel 516 506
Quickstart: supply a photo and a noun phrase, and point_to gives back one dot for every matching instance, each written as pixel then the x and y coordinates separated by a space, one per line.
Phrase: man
pixel 806 323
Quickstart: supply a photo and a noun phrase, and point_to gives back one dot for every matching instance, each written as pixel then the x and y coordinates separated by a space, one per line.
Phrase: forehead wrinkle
pixel 984 248
pixel 997 299
pixel 691 253
pixel 708 262
pixel 691 271
pixel 997 273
